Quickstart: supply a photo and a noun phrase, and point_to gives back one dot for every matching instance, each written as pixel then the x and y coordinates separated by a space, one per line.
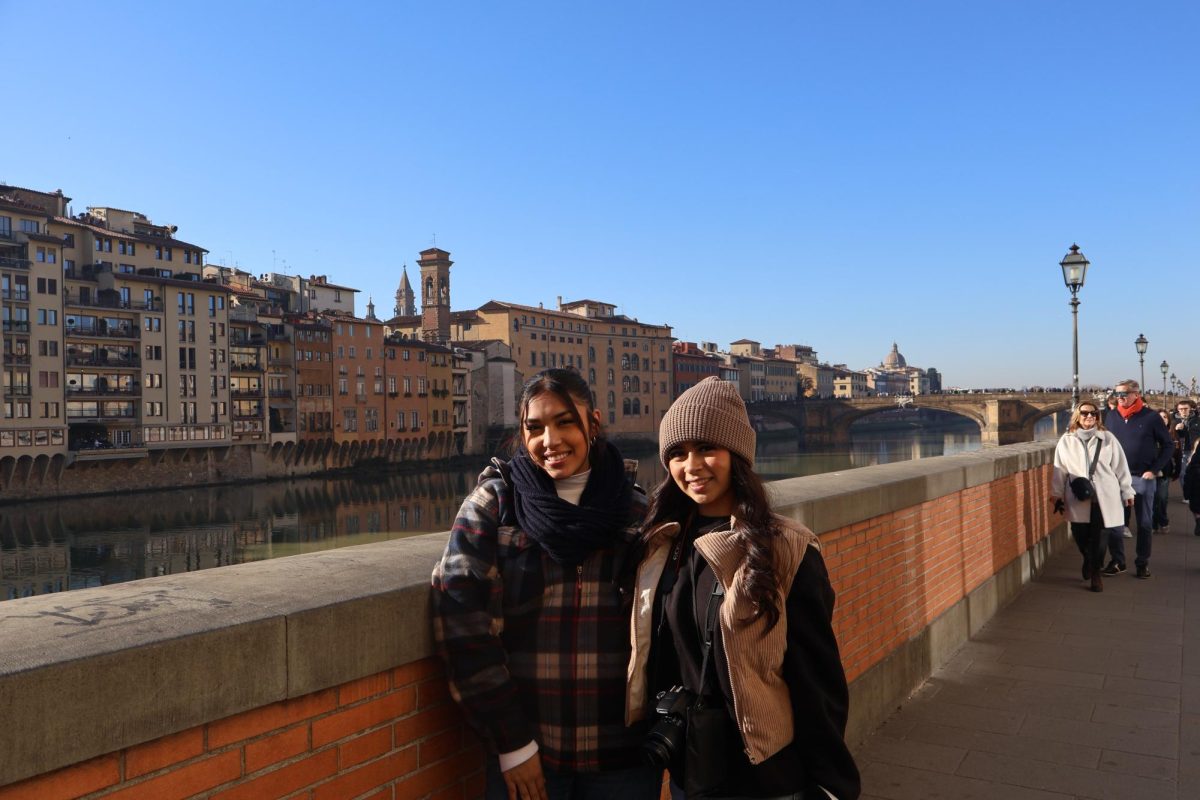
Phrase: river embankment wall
pixel 315 675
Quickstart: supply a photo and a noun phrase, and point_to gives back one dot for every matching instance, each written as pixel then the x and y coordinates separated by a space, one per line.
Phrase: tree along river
pixel 54 546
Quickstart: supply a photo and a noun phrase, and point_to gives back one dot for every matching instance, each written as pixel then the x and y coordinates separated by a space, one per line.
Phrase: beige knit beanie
pixel 711 411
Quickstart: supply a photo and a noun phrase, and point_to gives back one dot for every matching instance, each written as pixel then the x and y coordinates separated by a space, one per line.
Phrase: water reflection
pixel 55 546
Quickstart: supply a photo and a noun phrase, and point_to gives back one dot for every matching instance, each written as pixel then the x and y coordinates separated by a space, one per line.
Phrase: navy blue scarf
pixel 570 533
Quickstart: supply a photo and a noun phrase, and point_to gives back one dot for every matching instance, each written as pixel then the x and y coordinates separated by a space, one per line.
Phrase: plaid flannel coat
pixel 536 650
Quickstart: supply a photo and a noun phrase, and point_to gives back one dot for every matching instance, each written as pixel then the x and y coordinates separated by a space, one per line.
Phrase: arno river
pixel 52 546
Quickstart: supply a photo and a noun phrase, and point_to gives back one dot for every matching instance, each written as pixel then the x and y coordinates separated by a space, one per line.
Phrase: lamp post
pixel 1074 268
pixel 1141 343
pixel 1165 367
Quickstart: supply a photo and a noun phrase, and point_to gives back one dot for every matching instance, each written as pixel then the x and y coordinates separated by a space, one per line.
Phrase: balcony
pixel 129 332
pixel 281 361
pixel 14 263
pixel 90 360
pixel 72 299
pixel 280 393
pixel 16 295
pixel 242 415
pixel 245 366
pixel 17 360
pixel 244 393
pixel 16 326
pixel 16 391
pixel 133 390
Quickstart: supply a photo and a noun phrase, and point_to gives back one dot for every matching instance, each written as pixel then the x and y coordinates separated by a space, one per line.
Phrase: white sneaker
pixel 1128 534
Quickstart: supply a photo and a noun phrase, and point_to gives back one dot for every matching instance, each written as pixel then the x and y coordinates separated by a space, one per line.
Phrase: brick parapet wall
pixel 390 736
pixel 312 676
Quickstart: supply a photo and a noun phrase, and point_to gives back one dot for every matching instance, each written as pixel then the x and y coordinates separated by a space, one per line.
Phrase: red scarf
pixel 1126 413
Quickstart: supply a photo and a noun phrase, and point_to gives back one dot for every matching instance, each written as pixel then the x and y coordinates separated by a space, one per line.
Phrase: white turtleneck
pixel 571 489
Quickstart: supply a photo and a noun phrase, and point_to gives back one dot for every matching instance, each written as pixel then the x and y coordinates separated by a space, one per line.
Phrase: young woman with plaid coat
pixel 532 601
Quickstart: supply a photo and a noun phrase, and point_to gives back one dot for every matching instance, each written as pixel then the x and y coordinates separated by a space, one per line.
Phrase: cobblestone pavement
pixel 1064 694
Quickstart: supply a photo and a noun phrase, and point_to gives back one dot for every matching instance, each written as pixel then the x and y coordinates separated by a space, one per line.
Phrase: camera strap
pixel 710 628
pixel 1095 458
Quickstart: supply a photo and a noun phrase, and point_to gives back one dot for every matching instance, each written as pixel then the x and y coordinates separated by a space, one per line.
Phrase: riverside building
pixel 115 349
pixel 627 362
pixel 32 422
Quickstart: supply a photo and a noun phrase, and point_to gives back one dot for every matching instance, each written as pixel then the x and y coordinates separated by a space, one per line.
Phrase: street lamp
pixel 1074 268
pixel 1165 367
pixel 1141 343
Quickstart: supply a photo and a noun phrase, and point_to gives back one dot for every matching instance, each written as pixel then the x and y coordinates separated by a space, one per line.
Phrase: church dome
pixel 894 360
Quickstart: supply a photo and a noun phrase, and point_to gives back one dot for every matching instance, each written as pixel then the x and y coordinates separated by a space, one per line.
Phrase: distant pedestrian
pixel 1162 489
pixel 1187 429
pixel 1191 486
pixel 1087 452
pixel 1148 448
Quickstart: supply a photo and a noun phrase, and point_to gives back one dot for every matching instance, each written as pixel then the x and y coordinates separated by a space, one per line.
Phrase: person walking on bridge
pixel 1148 449
pixel 1187 429
pixel 1087 452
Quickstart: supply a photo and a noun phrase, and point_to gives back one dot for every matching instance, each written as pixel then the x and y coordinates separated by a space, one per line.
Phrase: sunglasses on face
pixel 1123 394
pixel 1088 414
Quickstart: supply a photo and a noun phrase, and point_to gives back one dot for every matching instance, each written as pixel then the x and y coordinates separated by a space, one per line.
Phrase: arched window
pixel 625 383
pixel 635 384
pixel 592 376
pixel 624 361
pixel 612 400
pixel 591 354
pixel 610 355
pixel 611 378
pixel 625 407
pixel 637 406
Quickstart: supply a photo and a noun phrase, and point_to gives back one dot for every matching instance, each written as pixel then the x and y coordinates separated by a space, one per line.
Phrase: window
pixel 30 226
pixel 47 316
pixel 47 286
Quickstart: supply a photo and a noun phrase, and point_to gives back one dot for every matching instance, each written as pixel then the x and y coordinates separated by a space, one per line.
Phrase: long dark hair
pixel 570 388
pixel 756 527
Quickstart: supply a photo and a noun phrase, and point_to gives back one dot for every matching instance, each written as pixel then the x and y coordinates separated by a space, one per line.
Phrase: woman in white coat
pixel 1091 519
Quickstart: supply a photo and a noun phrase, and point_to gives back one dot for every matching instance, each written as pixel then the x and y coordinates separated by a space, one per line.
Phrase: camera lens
pixel 664 741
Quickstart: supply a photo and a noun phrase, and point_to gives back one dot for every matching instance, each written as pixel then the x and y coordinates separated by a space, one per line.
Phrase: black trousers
pixel 1091 537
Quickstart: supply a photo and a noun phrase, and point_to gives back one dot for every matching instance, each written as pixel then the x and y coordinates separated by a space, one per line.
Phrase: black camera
pixel 666 738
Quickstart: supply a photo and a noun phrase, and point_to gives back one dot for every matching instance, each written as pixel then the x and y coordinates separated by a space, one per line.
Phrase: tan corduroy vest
pixel 760 695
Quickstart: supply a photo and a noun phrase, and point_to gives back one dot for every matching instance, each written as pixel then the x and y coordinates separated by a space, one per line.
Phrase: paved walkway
pixel 1065 694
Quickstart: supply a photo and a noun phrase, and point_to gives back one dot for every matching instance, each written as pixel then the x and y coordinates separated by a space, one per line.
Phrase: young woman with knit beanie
pixel 532 603
pixel 734 606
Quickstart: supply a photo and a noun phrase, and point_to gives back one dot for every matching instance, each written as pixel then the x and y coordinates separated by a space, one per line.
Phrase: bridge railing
pixel 317 671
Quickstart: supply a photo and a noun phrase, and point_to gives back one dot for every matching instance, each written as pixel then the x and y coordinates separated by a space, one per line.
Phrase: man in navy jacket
pixel 1148 449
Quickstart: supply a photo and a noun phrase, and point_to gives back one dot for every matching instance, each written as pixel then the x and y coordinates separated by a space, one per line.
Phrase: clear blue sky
pixel 836 174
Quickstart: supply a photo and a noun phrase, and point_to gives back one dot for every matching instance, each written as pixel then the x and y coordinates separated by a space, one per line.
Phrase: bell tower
pixel 435 295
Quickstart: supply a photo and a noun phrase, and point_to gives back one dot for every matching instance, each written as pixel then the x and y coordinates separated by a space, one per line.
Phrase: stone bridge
pixel 1002 418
